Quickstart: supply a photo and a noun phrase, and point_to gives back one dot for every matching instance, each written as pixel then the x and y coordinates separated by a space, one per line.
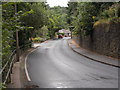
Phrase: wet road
pixel 55 65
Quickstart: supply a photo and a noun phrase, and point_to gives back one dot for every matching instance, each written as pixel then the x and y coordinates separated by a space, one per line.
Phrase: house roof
pixel 64 31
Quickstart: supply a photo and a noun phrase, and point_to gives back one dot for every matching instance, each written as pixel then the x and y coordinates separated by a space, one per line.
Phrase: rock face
pixel 105 39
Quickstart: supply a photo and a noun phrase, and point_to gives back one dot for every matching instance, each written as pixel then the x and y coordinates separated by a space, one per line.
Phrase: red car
pixel 60 36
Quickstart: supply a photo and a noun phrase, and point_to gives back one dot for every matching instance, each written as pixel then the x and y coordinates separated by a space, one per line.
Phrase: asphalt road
pixel 55 65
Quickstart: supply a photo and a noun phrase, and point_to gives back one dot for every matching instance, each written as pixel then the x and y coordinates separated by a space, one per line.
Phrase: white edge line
pixel 26 71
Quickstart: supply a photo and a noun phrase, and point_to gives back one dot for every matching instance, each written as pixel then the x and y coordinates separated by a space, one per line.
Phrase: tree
pixel 28 18
pixel 57 19
pixel 84 14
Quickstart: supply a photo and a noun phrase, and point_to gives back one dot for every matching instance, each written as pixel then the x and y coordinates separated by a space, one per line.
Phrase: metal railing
pixel 7 68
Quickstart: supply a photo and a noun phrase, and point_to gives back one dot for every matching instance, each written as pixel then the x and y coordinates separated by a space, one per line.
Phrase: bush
pixel 112 12
pixel 38 39
pixel 60 33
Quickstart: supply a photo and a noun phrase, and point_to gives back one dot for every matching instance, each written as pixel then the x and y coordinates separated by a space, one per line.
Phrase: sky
pixel 62 3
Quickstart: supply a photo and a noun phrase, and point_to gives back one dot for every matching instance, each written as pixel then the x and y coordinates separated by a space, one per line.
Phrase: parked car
pixel 60 36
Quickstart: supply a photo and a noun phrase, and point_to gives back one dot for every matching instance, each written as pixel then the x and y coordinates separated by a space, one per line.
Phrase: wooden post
pixel 17 39
pixel 71 33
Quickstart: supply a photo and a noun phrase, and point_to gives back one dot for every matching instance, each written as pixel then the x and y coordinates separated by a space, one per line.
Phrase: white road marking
pixel 26 71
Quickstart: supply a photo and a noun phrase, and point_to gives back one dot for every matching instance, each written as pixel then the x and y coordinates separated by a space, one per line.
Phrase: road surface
pixel 55 65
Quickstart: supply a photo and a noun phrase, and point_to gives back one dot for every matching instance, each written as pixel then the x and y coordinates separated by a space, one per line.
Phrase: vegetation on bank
pixel 83 15
pixel 96 26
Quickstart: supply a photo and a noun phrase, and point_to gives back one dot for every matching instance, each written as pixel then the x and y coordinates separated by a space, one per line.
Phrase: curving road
pixel 55 65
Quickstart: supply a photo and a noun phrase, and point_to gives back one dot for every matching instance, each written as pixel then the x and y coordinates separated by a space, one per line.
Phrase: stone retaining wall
pixel 105 39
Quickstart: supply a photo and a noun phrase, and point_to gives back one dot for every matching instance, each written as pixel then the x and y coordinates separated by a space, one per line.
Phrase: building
pixel 66 32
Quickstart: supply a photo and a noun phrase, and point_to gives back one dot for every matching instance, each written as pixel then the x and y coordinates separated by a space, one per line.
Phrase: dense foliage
pixel 83 15
pixel 57 19
pixel 34 22
pixel 25 20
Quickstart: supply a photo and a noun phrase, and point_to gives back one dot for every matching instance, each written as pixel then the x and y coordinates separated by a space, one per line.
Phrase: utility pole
pixel 17 39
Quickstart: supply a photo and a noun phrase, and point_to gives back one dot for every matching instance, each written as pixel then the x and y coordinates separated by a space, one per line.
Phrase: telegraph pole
pixel 17 39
